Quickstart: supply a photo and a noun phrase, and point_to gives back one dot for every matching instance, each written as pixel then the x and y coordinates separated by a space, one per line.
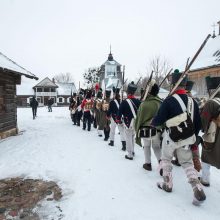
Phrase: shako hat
pixel 115 90
pixel 88 94
pixel 212 82
pixel 154 90
pixel 131 88
pixel 99 94
pixel 189 85
pixel 107 93
pixel 175 77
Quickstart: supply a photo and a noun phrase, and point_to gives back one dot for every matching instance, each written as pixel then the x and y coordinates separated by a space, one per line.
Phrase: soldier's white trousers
pixel 112 130
pixel 206 172
pixel 184 154
pixel 155 144
pixel 129 137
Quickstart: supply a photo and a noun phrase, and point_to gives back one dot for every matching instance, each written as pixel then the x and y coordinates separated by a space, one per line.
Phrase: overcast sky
pixel 48 37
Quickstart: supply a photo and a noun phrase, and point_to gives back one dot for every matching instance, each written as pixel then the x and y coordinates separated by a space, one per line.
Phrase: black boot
pixel 106 139
pixel 175 162
pixel 111 143
pixel 147 166
pixel 129 158
pixel 123 145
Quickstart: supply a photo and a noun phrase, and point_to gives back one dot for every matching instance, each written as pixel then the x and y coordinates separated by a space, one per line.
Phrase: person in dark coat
pixel 112 115
pixel 211 128
pixel 34 105
pixel 97 112
pixel 50 103
pixel 128 110
pixel 73 109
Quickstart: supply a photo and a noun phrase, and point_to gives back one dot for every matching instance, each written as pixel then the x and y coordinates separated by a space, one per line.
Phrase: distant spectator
pixel 34 104
pixel 50 103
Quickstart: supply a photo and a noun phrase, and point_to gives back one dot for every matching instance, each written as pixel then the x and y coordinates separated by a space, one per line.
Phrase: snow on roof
pixel 209 56
pixel 112 82
pixel 10 65
pixel 66 88
pixel 26 87
pixel 113 62
pixel 46 83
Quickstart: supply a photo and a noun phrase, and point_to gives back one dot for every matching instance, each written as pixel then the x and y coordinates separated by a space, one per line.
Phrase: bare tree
pixel 160 66
pixel 64 78
pixel 92 76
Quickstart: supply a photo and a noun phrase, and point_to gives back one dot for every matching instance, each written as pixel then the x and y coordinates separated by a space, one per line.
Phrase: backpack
pixel 181 128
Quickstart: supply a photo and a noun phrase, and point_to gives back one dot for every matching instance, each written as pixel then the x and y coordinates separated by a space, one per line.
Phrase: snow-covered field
pixel 97 182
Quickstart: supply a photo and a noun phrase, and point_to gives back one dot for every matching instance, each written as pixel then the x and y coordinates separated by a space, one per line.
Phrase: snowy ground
pixel 97 182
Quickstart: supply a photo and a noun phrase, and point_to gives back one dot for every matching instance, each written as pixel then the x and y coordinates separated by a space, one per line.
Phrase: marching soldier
pixel 73 109
pixel 97 111
pixel 194 147
pixel 180 113
pixel 105 123
pixel 150 136
pixel 112 114
pixel 86 106
pixel 128 110
pixel 211 127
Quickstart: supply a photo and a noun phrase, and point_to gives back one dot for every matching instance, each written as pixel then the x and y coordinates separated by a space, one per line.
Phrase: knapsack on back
pixel 181 128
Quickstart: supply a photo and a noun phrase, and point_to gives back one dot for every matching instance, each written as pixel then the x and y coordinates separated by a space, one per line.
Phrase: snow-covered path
pixel 97 182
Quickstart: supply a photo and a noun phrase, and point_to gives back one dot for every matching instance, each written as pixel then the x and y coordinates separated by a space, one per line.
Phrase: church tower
pixel 110 73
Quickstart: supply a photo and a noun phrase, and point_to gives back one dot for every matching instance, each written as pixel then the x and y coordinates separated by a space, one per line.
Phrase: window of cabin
pixel 52 89
pixel 68 99
pixel 46 90
pixel 60 99
pixel 39 89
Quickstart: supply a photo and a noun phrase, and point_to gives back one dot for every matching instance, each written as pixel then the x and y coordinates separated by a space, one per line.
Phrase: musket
pixel 185 73
pixel 167 76
pixel 123 82
pixel 213 94
pixel 138 81
pixel 147 87
pixel 187 63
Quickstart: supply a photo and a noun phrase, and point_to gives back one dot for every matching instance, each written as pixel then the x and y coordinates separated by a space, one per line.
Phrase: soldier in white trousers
pixel 128 110
pixel 147 136
pixel 112 115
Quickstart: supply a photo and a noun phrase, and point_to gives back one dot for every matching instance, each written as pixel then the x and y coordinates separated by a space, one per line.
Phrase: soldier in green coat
pixel 146 135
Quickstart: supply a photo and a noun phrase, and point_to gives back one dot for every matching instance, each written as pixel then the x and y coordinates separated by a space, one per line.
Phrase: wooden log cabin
pixel 10 76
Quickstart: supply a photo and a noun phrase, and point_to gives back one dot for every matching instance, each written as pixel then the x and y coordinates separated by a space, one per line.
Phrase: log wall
pixel 8 107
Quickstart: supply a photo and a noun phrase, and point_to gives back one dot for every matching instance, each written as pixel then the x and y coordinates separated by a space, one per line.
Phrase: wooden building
pixel 110 73
pixel 10 76
pixel 46 89
pixel 207 64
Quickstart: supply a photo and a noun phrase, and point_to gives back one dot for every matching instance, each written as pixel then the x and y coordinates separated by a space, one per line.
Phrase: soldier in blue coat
pixel 128 110
pixel 112 115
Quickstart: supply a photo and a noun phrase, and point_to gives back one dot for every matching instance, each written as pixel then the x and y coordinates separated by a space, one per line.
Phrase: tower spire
pixel 213 35
pixel 110 57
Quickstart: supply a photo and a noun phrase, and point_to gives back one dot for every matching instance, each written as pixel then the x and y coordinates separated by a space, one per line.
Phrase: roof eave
pixel 204 68
pixel 23 74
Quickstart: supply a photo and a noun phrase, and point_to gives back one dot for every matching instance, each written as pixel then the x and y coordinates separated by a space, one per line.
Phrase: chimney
pixel 218 27
pixel 53 80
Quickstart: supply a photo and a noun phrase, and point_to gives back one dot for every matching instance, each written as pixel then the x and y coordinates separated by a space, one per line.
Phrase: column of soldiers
pixel 170 127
